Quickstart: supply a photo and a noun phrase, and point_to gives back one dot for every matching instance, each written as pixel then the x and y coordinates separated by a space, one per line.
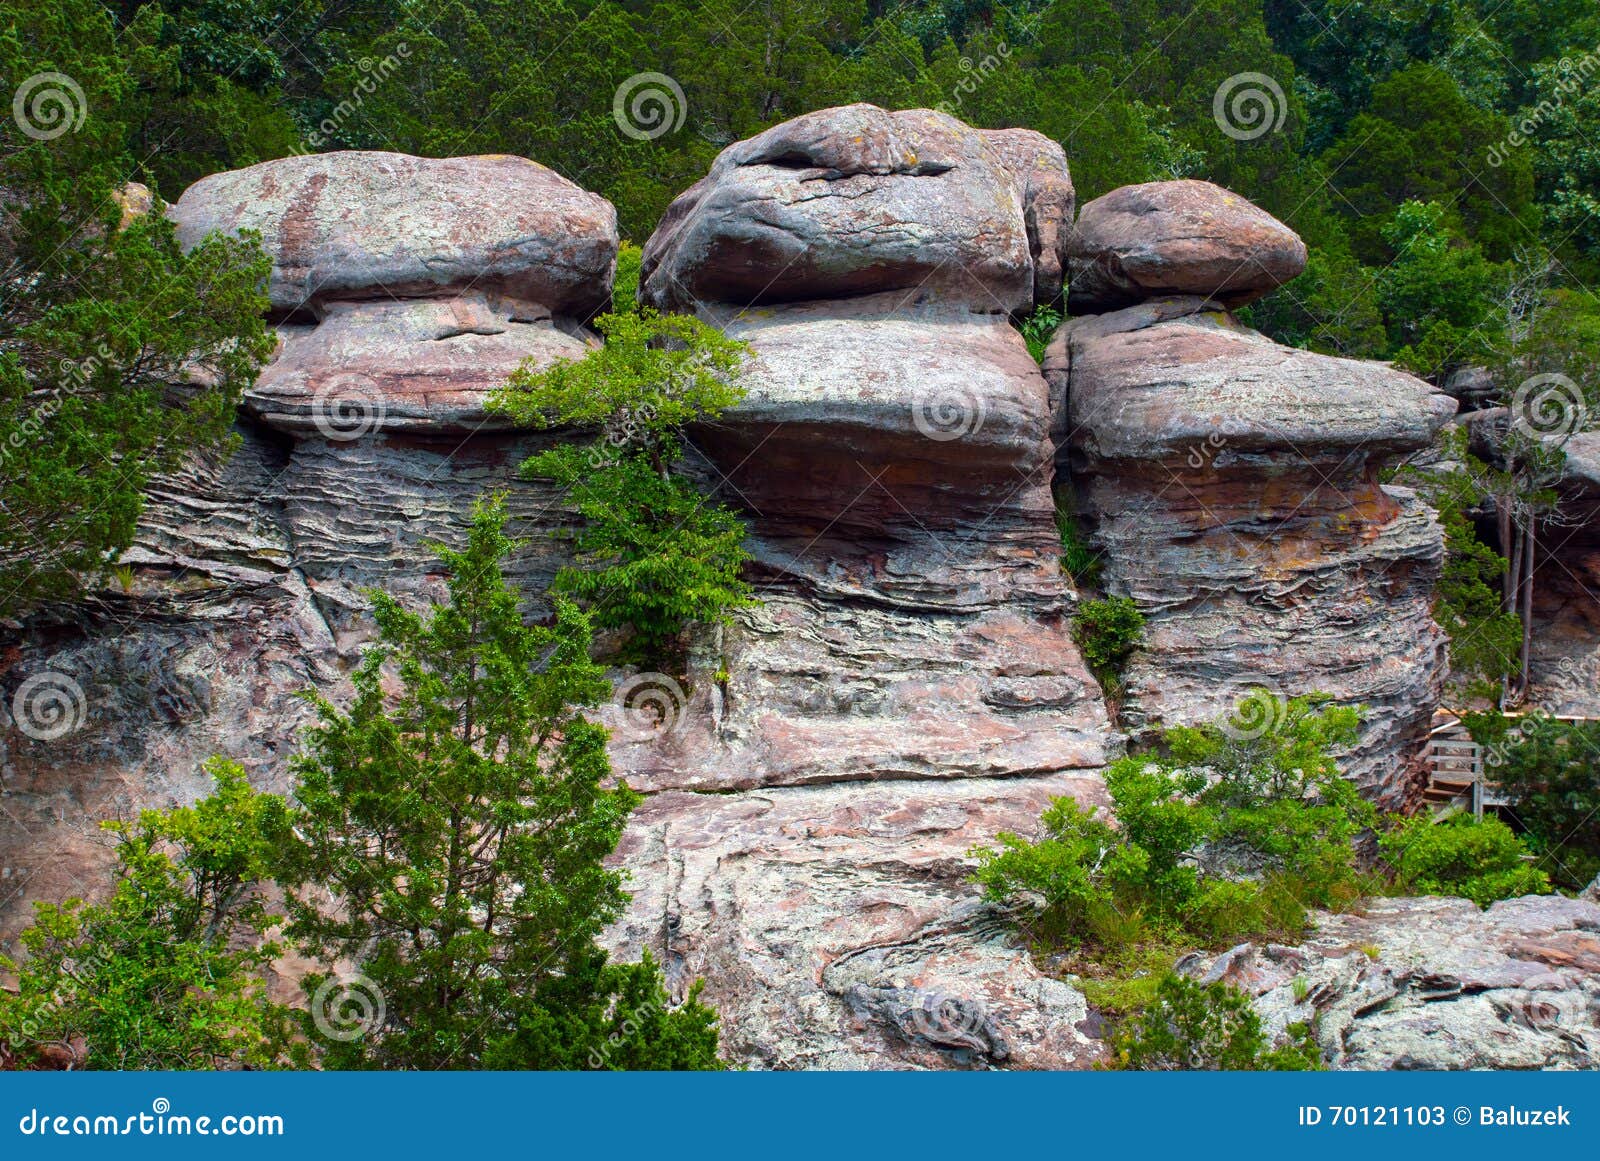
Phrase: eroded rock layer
pixel 1231 486
pixel 907 687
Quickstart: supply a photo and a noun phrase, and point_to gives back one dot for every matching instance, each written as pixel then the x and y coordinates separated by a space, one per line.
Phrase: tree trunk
pixel 1527 602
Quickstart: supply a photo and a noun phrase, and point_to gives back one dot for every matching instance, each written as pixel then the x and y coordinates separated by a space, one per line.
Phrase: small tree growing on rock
pixel 166 973
pixel 654 555
pixel 449 835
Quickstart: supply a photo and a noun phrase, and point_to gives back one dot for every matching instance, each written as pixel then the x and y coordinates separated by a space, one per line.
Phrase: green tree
pixel 654 555
pixel 166 974
pixel 1195 1027
pixel 1438 295
pixel 1470 604
pixel 1258 799
pixel 1551 772
pixel 119 353
pixel 1420 139
pixel 450 837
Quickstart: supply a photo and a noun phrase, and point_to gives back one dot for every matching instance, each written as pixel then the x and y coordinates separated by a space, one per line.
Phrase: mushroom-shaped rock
pixel 1148 387
pixel 858 200
pixel 1233 488
pixel 372 225
pixel 1177 237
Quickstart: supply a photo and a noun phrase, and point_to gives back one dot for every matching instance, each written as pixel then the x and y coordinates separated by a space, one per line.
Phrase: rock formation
pixel 908 685
pixel 1177 237
pixel 1231 487
pixel 1433 983
pixel 1565 658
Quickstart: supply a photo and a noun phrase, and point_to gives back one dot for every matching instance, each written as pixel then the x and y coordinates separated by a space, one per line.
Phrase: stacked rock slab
pixel 405 290
pixel 1232 485
pixel 908 686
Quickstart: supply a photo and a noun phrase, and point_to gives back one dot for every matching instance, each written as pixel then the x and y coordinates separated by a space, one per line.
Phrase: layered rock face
pixel 410 288
pixel 1434 984
pixel 907 688
pixel 1231 486
pixel 909 684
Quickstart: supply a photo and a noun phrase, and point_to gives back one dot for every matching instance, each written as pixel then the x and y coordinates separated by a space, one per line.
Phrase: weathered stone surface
pixel 1565 657
pixel 835 927
pixel 1433 983
pixel 410 364
pixel 944 404
pixel 1232 487
pixel 894 467
pixel 1177 237
pixel 857 200
pixel 1048 198
pixel 362 224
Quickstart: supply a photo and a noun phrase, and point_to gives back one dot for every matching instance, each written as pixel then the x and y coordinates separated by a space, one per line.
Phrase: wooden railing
pixel 1458 767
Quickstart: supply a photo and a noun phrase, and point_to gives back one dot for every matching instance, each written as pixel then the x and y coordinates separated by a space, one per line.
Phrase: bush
pixel 1208 1028
pixel 653 555
pixel 1216 806
pixel 1107 631
pixel 167 972
pixel 1038 329
pixel 1481 861
pixel 1078 560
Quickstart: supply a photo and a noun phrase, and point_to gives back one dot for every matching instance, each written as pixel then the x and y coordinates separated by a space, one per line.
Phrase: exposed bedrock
pixel 907 688
pixel 1232 488
pixel 1434 984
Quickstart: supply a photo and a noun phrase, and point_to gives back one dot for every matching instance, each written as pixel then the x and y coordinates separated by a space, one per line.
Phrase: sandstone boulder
pixel 857 200
pixel 405 364
pixel 359 224
pixel 1433 983
pixel 835 926
pixel 1177 237
pixel 1232 487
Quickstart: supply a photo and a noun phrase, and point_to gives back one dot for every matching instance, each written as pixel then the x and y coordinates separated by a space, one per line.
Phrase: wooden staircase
pixel 1455 767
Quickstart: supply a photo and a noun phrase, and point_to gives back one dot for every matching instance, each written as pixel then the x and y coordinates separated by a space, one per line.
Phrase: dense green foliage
pixel 1482 861
pixel 653 555
pixel 166 973
pixel 1107 631
pixel 1208 1028
pixel 448 836
pixel 102 317
pixel 1226 832
pixel 1481 107
pixel 1550 770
